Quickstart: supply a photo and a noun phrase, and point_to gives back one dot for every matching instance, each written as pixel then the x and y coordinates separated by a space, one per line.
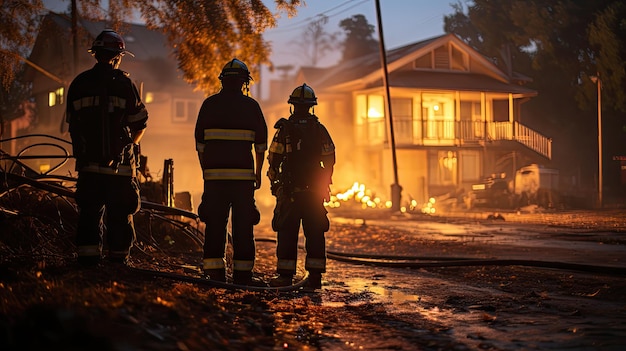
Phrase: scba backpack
pixel 302 165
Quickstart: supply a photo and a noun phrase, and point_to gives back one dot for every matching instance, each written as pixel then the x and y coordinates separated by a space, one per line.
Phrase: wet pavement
pixel 508 307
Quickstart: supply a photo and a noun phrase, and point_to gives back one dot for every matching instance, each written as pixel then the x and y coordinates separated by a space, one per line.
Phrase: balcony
pixel 409 132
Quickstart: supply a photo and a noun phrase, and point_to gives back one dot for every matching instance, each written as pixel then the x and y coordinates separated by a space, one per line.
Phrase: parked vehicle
pixel 532 184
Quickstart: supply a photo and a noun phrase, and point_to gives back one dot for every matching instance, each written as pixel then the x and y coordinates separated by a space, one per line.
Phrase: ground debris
pixel 46 300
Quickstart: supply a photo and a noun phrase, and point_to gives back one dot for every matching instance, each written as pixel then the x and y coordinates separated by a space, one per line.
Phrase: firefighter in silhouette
pixel 301 160
pixel 107 119
pixel 229 124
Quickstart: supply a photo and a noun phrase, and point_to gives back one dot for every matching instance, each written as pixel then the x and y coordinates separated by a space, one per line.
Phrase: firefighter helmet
pixel 303 95
pixel 109 40
pixel 236 68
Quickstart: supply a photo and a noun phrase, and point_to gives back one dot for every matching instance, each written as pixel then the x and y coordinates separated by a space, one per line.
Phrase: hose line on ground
pixel 353 258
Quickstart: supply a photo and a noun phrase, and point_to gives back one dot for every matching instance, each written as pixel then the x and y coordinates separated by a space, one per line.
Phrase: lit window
pixel 60 95
pixel 55 97
pixel 149 98
pixel 375 106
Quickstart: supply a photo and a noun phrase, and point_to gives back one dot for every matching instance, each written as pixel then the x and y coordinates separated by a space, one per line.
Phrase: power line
pixel 306 21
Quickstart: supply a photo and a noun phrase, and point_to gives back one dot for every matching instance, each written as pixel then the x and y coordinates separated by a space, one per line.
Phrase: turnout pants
pixel 219 198
pixel 306 208
pixel 113 197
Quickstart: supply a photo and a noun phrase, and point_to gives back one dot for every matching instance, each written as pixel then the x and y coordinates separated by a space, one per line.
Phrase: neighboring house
pixel 172 104
pixel 457 117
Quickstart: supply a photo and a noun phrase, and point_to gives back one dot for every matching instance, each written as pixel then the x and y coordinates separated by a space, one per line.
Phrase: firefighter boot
pixel 282 279
pixel 315 281
pixel 247 278
pixel 218 275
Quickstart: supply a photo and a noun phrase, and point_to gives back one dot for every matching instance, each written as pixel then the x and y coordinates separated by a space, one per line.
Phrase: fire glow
pixel 357 194
pixel 362 197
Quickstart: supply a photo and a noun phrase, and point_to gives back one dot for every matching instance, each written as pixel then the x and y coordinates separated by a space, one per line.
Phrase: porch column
pixel 483 114
pixel 512 116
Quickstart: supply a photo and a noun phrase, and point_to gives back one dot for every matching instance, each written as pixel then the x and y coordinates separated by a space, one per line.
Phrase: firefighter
pixel 107 119
pixel 301 160
pixel 229 124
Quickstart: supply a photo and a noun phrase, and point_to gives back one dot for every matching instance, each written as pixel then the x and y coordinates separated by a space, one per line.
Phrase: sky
pixel 403 22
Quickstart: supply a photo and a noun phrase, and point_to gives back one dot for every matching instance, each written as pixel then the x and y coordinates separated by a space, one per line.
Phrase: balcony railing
pixel 452 133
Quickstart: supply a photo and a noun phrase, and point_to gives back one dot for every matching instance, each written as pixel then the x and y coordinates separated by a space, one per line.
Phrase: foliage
pixel 576 37
pixel 359 38
pixel 606 36
pixel 18 27
pixel 560 44
pixel 204 34
pixel 12 99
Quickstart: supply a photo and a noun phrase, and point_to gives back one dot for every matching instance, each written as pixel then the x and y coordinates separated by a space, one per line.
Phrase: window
pixel 438 118
pixel 56 97
pixel 149 98
pixel 402 109
pixel 370 111
pixel 443 167
pixel 185 110
pixel 471 120
pixel 375 107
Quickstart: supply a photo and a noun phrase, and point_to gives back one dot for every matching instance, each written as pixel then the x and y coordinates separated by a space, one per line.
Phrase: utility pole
pixel 596 79
pixel 74 15
pixel 396 189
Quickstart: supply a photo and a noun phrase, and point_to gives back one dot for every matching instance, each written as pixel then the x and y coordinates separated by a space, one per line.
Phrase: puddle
pixel 365 290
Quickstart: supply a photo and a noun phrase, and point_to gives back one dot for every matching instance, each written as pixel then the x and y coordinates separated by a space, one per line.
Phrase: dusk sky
pixel 404 21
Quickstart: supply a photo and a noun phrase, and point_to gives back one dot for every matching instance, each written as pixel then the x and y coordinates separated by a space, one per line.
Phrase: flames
pixel 359 196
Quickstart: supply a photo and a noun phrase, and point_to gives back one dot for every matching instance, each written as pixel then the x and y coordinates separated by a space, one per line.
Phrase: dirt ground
pixel 48 302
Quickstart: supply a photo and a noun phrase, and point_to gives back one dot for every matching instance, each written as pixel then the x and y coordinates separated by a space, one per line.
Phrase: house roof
pixel 364 71
pixel 141 41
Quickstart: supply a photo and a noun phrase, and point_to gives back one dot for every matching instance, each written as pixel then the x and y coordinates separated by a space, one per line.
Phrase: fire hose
pixel 389 261
pixel 393 261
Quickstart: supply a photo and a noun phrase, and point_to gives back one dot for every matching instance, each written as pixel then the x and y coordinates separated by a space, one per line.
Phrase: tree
pixel 19 21
pixel 577 37
pixel 560 43
pixel 203 34
pixel 358 40
pixel 315 42
pixel 606 36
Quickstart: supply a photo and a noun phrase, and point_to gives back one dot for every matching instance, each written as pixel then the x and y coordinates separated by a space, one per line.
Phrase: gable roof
pixel 364 71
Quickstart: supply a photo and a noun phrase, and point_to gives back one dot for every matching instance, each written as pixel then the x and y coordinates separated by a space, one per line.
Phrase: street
pixel 476 307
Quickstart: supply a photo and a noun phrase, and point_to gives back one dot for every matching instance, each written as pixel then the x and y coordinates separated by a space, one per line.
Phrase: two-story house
pixel 457 117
